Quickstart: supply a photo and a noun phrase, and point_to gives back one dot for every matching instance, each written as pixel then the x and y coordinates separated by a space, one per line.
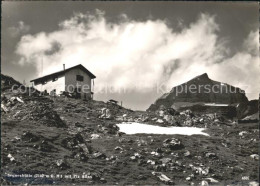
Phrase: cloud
pixel 19 29
pixel 138 55
pixel 243 68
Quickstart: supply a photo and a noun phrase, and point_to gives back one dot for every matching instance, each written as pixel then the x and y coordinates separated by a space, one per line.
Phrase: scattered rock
pixel 17 138
pixel 133 158
pixel 151 162
pixel 141 177
pixel 173 144
pixel 141 142
pixel 188 123
pixel 253 183
pixel 189 178
pixel 16 114
pixel 212 180
pixel 242 133
pixel 105 113
pixel 161 113
pixel 200 170
pixel 10 157
pixel 99 155
pixel 211 155
pixel 144 119
pixel 102 180
pixel 137 155
pixel 255 156
pixel 72 142
pixel 111 158
pixel 187 154
pixel 19 99
pixel 118 148
pixel 160 121
pixel 155 153
pixel 168 118
pixel 95 136
pixel 86 149
pixel 81 156
pixel 204 183
pixel 154 119
pixel 62 163
pixel 162 177
pixel 165 160
pixel 4 108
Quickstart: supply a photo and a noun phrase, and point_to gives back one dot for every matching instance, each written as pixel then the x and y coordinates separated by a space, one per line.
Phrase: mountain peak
pixel 203 76
pixel 204 90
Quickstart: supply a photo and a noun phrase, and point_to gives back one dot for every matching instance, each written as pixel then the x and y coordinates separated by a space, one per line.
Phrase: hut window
pixel 79 78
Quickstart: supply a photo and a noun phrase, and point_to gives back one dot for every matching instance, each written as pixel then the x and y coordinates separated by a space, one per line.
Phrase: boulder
pixel 204 183
pixel 105 113
pixel 161 113
pixel 4 108
pixel 86 149
pixel 159 121
pixel 165 160
pixel 253 183
pixel 145 118
pixel 200 170
pixel 95 136
pixel 168 118
pixel 188 123
pixel 173 144
pixel 81 156
pixel 210 155
pixel 99 155
pixel 118 148
pixel 211 180
pixel 62 163
pixel 187 154
pixel 10 157
pixel 255 156
pixel 243 133
pixel 162 177
pixel 151 162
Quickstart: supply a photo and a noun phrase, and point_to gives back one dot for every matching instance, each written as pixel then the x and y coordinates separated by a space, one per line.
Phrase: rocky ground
pixel 61 140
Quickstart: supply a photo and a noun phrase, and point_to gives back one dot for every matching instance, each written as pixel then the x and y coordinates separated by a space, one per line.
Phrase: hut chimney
pixel 63 66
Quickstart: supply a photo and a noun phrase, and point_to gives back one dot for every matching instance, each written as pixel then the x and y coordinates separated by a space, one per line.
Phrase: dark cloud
pixel 55 48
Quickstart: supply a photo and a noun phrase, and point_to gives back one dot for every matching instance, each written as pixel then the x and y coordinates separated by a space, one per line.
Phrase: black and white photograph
pixel 130 93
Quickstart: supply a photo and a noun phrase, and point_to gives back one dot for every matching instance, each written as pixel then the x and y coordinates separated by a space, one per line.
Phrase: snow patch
pixel 216 104
pixel 139 128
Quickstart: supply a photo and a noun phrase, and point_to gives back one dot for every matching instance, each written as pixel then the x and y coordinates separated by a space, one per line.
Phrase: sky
pixel 137 50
